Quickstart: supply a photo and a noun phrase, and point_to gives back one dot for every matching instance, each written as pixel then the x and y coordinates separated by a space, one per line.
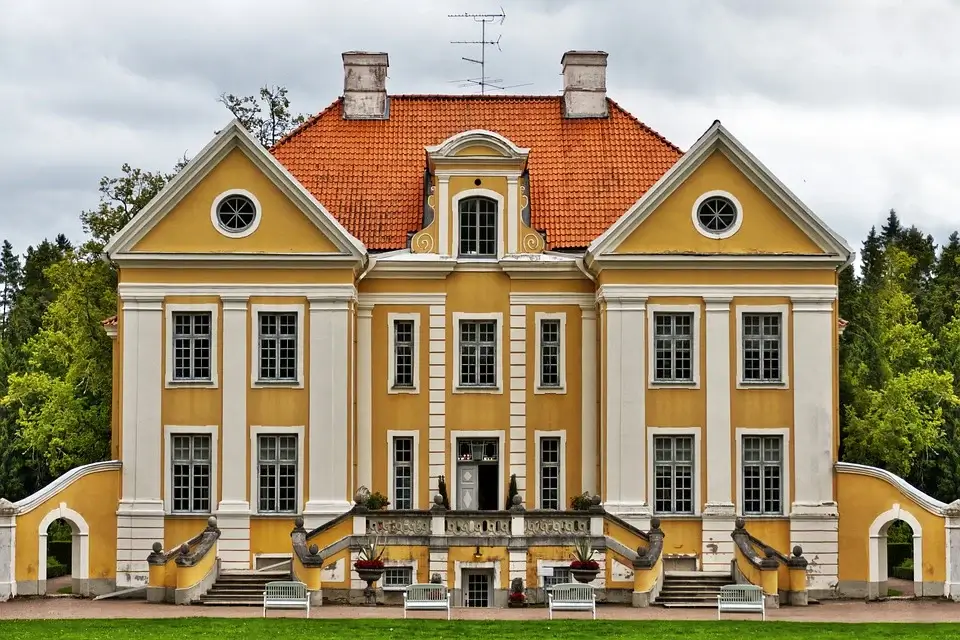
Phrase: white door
pixel 467 493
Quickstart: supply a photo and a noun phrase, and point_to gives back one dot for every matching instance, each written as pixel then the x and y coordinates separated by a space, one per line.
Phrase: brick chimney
pixel 365 85
pixel 584 84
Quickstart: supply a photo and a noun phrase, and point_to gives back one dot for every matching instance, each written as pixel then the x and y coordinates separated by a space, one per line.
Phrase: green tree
pixel 937 308
pixel 267 115
pixel 10 277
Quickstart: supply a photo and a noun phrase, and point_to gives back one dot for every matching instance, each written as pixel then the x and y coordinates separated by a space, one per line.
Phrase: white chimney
pixel 584 84
pixel 364 85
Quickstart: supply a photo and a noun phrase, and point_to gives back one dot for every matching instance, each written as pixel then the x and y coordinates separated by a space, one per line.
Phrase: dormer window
pixel 478 228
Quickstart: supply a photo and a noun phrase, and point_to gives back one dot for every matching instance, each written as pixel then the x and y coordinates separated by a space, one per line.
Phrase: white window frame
pixel 391 489
pixel 254 496
pixel 562 317
pixel 391 338
pixel 654 432
pixel 455 222
pixel 502 461
pixel 255 311
pixel 183 430
pixel 696 340
pixel 538 437
pixel 786 484
pixel 461 316
pixel 717 193
pixel 549 565
pixel 400 564
pixel 258 213
pixel 785 345
pixel 214 310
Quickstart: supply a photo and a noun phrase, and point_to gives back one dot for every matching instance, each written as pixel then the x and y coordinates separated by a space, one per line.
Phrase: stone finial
pixel 740 523
pixel 298 522
pixel 797 551
pixel 952 510
pixel 7 507
pixel 184 549
pixel 314 549
pixel 436 578
pixel 655 524
pixel 438 503
pixel 797 561
pixel 361 496
pixel 595 500
pixel 517 503
pixel 212 522
pixel 157 547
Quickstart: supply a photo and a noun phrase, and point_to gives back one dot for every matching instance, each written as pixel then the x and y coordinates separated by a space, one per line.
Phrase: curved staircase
pixel 241 588
pixel 692 589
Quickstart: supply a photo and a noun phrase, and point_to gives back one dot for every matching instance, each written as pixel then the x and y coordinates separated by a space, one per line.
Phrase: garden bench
pixel 572 597
pixel 426 597
pixel 285 595
pixel 741 598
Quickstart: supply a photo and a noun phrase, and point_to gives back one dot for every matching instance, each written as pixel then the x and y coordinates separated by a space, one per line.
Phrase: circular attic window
pixel 236 213
pixel 717 214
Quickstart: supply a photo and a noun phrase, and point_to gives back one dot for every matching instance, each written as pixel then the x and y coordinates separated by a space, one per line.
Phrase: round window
pixel 236 213
pixel 717 215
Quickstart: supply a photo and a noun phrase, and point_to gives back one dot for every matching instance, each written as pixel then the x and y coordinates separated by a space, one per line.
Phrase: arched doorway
pixel 880 566
pixel 79 548
pixel 900 566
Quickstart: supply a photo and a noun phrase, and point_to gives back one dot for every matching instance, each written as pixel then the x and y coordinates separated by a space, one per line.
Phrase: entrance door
pixel 468 493
pixel 477 585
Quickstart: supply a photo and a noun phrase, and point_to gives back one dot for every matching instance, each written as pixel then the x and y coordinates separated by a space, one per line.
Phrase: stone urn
pixel 585 572
pixel 370 575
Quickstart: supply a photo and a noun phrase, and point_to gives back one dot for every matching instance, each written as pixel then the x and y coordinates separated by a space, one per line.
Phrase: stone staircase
pixel 692 588
pixel 241 588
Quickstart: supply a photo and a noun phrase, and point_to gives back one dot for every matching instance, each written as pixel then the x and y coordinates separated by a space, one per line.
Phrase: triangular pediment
pixel 183 218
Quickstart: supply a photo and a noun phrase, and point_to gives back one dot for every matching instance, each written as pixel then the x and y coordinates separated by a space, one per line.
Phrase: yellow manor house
pixel 430 299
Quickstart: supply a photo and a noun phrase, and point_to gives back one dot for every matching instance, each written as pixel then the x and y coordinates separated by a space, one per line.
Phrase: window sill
pixel 479 390
pixel 394 588
pixel 670 384
pixel 402 390
pixel 191 384
pixel 274 516
pixel 759 384
pixel 280 384
pixel 765 516
pixel 187 516
pixel 677 516
pixel 561 390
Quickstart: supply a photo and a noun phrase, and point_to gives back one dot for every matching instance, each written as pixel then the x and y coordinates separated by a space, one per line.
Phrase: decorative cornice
pixel 36 499
pixel 554 299
pixel 929 503
pixel 159 290
pixel 413 299
pixel 706 291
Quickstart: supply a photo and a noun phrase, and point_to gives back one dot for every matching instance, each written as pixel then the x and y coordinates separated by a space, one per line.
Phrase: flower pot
pixel 585 576
pixel 370 574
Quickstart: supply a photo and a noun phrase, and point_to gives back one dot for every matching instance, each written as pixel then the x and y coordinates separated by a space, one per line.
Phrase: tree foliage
pixel 266 115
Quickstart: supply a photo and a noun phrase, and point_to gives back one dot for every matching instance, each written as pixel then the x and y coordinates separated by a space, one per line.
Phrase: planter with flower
pixel 516 597
pixel 369 564
pixel 584 568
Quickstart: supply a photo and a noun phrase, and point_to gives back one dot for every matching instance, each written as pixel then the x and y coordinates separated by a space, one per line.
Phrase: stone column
pixel 365 395
pixel 626 417
pixel 588 407
pixel 233 512
pixel 437 456
pixel 952 586
pixel 328 380
pixel 813 514
pixel 513 215
pixel 719 513
pixel 443 217
pixel 518 397
pixel 8 550
pixel 140 512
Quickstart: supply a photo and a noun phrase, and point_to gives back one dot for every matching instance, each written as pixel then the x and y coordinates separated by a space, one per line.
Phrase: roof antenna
pixel 483 18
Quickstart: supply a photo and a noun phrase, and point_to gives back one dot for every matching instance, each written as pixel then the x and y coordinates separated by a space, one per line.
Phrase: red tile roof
pixel 584 173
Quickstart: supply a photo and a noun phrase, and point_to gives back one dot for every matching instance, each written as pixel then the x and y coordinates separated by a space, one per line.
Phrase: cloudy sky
pixel 854 104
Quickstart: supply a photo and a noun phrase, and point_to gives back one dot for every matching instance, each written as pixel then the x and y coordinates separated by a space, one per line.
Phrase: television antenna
pixel 483 82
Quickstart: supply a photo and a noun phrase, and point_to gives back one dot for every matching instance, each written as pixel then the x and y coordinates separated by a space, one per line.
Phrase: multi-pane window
pixel 762 343
pixel 673 474
pixel 403 345
pixel 478 227
pixel 478 353
pixel 191 473
pixel 550 473
pixel 561 575
pixel 277 473
pixel 550 353
pixel 762 475
pixel 397 577
pixel 673 347
pixel 403 473
pixel 191 346
pixel 278 347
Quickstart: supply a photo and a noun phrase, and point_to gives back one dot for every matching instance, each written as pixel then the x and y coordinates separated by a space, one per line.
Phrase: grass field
pixel 253 628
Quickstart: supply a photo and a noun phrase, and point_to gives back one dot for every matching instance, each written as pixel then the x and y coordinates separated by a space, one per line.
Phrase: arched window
pixel 478 227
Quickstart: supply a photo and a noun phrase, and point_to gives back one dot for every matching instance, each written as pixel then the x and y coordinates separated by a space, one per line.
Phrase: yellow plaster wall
pixel 565 554
pixel 307 274
pixel 418 554
pixel 94 497
pixel 187 228
pixel 347 568
pixel 759 275
pixel 861 499
pixel 270 534
pixel 682 536
pixel 179 529
pixel 765 229
pixel 497 555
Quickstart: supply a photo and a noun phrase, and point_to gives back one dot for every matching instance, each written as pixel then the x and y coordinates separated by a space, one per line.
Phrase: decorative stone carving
pixel 647 558
pixel 361 496
pixel 797 561
pixel 535 525
pixel 401 525
pixel 477 526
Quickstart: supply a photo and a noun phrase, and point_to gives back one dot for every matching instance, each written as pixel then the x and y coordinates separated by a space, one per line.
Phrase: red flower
pixel 368 564
pixel 586 565
pixel 516 596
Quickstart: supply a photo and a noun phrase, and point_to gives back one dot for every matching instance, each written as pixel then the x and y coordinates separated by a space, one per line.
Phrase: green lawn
pixel 252 628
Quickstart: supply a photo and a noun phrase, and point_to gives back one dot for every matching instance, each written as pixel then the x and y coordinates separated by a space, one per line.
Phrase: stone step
pixel 218 591
pixel 687 605
pixel 231 602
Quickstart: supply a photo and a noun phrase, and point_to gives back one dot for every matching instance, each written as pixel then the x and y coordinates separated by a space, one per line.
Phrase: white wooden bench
pixel 426 597
pixel 572 597
pixel 741 598
pixel 285 595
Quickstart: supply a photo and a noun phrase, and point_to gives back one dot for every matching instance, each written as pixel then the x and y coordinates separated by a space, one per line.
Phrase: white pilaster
pixel 813 415
pixel 513 214
pixel 140 512
pixel 951 587
pixel 626 417
pixel 438 395
pixel 328 410
pixel 518 395
pixel 8 551
pixel 365 395
pixel 443 216
pixel 588 407
pixel 233 512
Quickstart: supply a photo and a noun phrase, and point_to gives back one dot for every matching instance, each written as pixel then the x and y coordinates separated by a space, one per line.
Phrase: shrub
pixel 377 501
pixel 581 502
pixel 55 568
